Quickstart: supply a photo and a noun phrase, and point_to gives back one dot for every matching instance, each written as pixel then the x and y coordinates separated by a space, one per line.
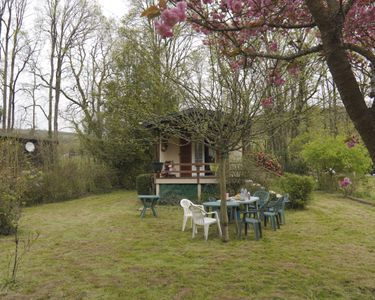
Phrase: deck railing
pixel 189 170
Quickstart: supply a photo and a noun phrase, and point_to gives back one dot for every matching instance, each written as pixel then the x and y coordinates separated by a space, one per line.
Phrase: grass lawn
pixel 98 248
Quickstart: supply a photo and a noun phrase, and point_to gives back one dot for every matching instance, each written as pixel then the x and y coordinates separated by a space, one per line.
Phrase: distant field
pixel 98 248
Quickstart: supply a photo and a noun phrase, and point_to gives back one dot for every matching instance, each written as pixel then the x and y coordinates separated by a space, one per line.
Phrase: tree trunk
pixel 5 71
pixel 53 36
pixel 330 26
pixel 57 96
pixel 222 158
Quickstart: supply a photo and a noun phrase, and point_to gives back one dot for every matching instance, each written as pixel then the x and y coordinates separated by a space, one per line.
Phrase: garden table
pixel 149 201
pixel 233 205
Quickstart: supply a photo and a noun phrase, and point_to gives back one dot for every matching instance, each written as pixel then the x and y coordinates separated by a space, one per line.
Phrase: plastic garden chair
pixel 263 196
pixel 185 203
pixel 272 213
pixel 254 222
pixel 281 210
pixel 199 218
pixel 257 212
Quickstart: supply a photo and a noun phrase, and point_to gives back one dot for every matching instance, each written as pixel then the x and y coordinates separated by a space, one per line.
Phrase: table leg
pixel 154 210
pixel 236 220
pixel 143 211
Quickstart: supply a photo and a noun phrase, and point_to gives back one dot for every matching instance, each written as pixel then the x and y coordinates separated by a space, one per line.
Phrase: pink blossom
pixel 235 6
pixel 235 65
pixel 181 11
pixel 345 182
pixel 293 70
pixel 170 17
pixel 273 47
pixel 163 29
pixel 275 78
pixel 267 102
pixel 351 142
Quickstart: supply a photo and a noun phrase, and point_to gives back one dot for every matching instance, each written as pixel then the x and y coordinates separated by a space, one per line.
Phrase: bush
pixel 144 183
pixel 210 191
pixel 11 185
pixel 69 178
pixel 328 155
pixel 298 187
pixel 10 202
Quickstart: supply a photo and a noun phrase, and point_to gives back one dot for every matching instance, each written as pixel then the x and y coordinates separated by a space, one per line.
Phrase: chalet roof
pixel 175 119
pixel 27 135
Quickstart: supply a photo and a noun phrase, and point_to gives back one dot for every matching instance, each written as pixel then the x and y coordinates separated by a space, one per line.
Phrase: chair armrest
pixel 214 213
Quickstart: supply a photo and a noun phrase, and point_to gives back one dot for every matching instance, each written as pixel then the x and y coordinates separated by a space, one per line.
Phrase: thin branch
pixel 367 53
pixel 289 57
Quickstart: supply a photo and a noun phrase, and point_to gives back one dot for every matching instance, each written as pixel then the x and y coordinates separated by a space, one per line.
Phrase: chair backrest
pixel 185 203
pixel 280 203
pixel 285 199
pixel 264 196
pixel 197 214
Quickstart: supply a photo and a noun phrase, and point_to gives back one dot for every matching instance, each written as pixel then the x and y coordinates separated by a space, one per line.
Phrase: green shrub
pixel 144 183
pixel 10 203
pixel 12 161
pixel 298 187
pixel 68 178
pixel 210 191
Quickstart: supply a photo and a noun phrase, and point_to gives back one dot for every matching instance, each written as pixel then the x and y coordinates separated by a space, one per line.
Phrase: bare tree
pixel 3 4
pixel 90 66
pixel 17 49
pixel 67 25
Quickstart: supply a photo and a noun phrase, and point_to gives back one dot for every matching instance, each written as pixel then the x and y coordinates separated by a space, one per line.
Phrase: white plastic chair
pixel 199 218
pixel 185 203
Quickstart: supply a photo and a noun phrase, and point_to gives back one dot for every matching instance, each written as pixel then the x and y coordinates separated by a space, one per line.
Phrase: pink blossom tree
pixel 341 31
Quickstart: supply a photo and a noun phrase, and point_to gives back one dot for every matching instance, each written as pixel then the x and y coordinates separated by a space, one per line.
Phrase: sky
pixel 111 8
pixel 114 8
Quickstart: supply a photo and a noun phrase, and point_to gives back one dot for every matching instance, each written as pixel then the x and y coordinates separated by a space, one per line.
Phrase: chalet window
pixel 199 152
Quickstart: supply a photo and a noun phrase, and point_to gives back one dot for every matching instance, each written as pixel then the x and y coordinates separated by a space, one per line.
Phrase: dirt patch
pixel 183 294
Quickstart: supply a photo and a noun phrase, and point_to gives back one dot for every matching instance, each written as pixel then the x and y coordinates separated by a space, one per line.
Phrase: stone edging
pixel 360 200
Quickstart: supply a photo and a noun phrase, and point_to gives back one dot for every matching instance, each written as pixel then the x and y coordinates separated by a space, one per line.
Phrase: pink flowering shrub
pixel 346 185
pixel 345 182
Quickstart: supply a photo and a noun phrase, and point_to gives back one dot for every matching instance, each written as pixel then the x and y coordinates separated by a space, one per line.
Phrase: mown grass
pixel 98 248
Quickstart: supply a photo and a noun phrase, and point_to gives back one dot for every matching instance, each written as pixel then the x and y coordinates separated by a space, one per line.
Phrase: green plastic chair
pixel 254 222
pixel 272 213
pixel 264 197
pixel 281 210
pixel 256 213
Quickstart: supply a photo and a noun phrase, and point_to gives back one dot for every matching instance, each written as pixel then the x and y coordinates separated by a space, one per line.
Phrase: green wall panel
pixel 173 193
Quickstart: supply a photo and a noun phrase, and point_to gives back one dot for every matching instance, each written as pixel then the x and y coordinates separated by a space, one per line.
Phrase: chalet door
pixel 185 158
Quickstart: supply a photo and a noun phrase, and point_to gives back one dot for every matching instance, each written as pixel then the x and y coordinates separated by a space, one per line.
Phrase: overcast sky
pixel 114 8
